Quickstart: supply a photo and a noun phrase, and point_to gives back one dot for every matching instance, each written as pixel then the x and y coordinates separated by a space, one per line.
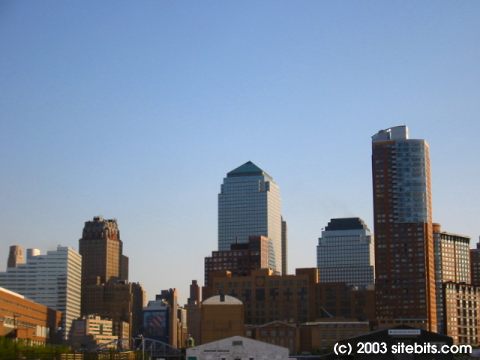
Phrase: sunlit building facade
pixel 249 204
pixel 53 280
pixel 345 253
pixel 404 246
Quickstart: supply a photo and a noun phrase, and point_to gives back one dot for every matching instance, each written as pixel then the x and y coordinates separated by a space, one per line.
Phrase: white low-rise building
pixel 237 348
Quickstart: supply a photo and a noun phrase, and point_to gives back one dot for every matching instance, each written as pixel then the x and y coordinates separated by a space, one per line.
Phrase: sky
pixel 137 110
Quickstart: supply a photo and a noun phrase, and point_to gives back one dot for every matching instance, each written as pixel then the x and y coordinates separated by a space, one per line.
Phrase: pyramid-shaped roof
pixel 247 169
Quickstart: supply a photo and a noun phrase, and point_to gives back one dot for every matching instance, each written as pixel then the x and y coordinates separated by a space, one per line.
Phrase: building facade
pixel 462 312
pixel 156 321
pixel 279 333
pixel 237 347
pixel 345 253
pixel 404 246
pixel 16 256
pixel 170 297
pixel 106 290
pixel 240 260
pixel 322 335
pixel 101 250
pixel 222 316
pixel 121 301
pixel 475 264
pixel 27 320
pixel 249 204
pixel 53 280
pixel 91 332
pixel 268 297
pixel 284 247
pixel 452 264
pixel 294 298
pixel 194 318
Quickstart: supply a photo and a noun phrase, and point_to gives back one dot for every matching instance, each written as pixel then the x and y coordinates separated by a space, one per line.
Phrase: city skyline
pixel 198 277
pixel 140 122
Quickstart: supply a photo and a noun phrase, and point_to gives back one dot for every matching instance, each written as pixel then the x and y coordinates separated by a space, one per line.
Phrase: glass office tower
pixel 249 204
pixel 345 253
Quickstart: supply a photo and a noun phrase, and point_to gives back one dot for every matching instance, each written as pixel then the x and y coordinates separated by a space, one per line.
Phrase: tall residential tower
pixel 404 246
pixel 249 204
pixel 452 264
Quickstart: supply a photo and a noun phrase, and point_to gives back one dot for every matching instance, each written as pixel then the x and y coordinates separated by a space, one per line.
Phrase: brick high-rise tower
pixel 105 287
pixel 404 246
pixel 101 250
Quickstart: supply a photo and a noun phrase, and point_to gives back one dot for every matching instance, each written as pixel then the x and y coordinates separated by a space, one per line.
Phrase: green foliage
pixel 12 350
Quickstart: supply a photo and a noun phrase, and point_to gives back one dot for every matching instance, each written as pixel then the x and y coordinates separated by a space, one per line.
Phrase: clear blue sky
pixel 136 110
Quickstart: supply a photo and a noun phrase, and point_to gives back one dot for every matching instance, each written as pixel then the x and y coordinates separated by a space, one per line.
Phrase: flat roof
pixel 12 293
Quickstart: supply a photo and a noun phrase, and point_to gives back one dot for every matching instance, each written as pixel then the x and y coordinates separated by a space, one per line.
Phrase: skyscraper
pixel 15 256
pixel 101 250
pixel 404 247
pixel 345 253
pixel 52 280
pixel 249 204
pixel 105 287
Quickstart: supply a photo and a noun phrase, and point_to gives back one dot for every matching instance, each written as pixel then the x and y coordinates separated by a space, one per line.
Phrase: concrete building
pixel 194 315
pixel 240 260
pixel 404 247
pixel 195 293
pixel 249 204
pixel 345 253
pixel 170 298
pixel 33 252
pixel 166 321
pixel 156 321
pixel 475 264
pixel 102 252
pixel 222 316
pixel 16 256
pixel 182 328
pixel 92 332
pixel 20 318
pixel 309 337
pixel 237 347
pixel 452 264
pixel 53 280
pixel 105 288
pixel 268 297
pixel 295 298
pixel 121 301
